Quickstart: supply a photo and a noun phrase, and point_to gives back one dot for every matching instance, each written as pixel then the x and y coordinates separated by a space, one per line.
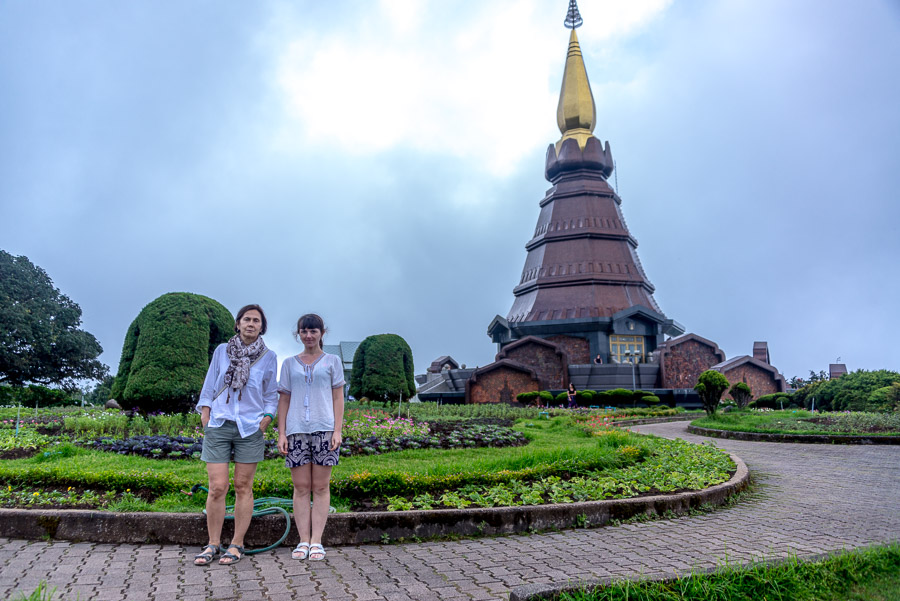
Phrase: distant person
pixel 237 403
pixel 598 359
pixel 570 394
pixel 310 418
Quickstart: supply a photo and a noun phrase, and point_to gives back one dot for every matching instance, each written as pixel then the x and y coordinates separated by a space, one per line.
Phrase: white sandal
pixel 301 551
pixel 318 550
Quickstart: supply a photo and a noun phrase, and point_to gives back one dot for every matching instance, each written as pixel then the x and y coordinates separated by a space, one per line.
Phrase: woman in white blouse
pixel 237 404
pixel 310 418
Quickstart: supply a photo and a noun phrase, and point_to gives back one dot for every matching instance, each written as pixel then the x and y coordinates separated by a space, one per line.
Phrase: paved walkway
pixel 809 499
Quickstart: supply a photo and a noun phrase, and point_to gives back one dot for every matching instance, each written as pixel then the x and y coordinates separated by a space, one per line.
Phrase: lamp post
pixel 632 356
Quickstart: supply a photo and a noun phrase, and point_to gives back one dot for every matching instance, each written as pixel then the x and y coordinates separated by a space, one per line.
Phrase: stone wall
pixel 578 350
pixel 683 363
pixel 760 381
pixel 500 385
pixel 546 362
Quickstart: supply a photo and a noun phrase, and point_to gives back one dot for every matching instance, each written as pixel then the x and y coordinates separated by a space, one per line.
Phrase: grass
pixel 864 575
pixel 798 422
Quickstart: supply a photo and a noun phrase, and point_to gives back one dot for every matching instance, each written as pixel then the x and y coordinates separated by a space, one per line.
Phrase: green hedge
pixel 167 352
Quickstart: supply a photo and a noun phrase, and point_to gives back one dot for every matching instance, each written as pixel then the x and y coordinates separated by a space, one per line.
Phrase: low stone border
pixel 552 591
pixel 804 438
pixel 357 528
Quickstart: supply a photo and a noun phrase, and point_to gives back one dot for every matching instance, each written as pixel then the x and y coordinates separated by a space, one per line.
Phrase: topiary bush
pixel 651 399
pixel 621 397
pixel 585 398
pixel 167 352
pixel 527 398
pixel 710 386
pixel 776 400
pixel 741 394
pixel 383 368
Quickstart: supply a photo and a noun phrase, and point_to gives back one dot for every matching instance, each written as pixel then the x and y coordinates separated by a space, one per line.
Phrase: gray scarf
pixel 240 357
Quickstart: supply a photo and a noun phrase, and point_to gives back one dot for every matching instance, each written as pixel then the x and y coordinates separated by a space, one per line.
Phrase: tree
pixel 40 339
pixel 383 368
pixel 850 392
pixel 797 383
pixel 741 394
pixel 167 352
pixel 100 393
pixel 710 386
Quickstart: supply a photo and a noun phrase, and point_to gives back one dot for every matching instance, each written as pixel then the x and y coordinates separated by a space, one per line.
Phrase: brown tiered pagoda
pixel 584 310
pixel 583 286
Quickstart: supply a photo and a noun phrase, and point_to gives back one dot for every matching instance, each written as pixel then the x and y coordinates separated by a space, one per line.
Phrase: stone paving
pixel 808 499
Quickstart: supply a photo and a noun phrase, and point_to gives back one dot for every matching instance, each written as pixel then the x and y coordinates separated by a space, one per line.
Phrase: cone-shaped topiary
pixel 167 352
pixel 383 368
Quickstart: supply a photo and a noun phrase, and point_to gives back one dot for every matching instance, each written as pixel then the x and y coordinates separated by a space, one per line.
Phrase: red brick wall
pixel 545 362
pixel 759 380
pixel 578 350
pixel 684 363
pixel 500 385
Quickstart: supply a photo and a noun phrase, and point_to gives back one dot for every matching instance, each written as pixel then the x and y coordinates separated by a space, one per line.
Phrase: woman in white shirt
pixel 310 418
pixel 237 404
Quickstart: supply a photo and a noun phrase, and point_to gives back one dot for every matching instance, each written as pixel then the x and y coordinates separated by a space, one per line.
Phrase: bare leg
pixel 321 488
pixel 243 504
pixel 302 479
pixel 215 500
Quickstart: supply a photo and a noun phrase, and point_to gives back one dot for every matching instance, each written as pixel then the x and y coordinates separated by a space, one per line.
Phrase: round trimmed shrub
pixel 167 352
pixel 383 369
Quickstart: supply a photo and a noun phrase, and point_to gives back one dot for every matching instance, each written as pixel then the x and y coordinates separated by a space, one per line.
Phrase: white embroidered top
pixel 311 407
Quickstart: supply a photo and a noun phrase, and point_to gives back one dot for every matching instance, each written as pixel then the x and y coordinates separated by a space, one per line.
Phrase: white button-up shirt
pixel 258 397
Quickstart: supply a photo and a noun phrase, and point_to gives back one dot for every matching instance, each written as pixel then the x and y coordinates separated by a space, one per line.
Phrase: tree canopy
pixel 167 352
pixel 40 339
pixel 850 392
pixel 383 368
pixel 710 386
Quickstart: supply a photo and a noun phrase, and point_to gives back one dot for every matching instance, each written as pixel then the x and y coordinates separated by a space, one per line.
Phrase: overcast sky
pixel 381 163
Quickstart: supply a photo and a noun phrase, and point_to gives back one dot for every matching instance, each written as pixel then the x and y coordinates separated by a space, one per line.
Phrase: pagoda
pixel 583 286
pixel 584 311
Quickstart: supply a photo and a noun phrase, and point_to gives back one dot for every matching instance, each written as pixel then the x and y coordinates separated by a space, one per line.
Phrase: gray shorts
pixel 312 448
pixel 219 442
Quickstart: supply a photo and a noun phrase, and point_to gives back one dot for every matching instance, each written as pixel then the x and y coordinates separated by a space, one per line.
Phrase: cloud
pixel 399 78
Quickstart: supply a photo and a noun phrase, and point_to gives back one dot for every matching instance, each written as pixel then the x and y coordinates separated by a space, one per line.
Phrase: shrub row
pixel 619 397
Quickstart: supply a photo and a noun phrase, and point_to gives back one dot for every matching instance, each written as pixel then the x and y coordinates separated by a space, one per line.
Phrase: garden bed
pixel 802 427
pixel 487 460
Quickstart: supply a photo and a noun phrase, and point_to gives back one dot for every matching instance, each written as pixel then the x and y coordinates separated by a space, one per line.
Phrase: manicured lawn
pixel 865 575
pixel 804 422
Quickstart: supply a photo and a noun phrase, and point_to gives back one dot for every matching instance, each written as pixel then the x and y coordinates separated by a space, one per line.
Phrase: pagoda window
pixel 634 345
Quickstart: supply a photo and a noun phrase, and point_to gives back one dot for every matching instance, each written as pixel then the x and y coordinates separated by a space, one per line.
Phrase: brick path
pixel 809 499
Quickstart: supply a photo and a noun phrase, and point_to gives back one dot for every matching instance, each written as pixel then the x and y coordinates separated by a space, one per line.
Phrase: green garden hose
pixel 264 506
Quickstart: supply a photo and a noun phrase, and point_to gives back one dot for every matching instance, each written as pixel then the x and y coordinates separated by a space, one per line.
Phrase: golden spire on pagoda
pixel 576 113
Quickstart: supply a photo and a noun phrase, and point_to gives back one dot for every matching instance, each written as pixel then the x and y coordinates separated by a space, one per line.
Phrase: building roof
pixel 345 350
pixel 734 362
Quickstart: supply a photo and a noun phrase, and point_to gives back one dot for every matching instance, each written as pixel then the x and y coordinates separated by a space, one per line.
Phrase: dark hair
pixel 571 386
pixel 243 310
pixel 311 321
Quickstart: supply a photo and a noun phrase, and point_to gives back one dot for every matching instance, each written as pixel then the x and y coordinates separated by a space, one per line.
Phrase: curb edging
pixel 358 528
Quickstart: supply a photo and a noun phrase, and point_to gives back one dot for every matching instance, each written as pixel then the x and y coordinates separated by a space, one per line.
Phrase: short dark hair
pixel 311 321
pixel 243 310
